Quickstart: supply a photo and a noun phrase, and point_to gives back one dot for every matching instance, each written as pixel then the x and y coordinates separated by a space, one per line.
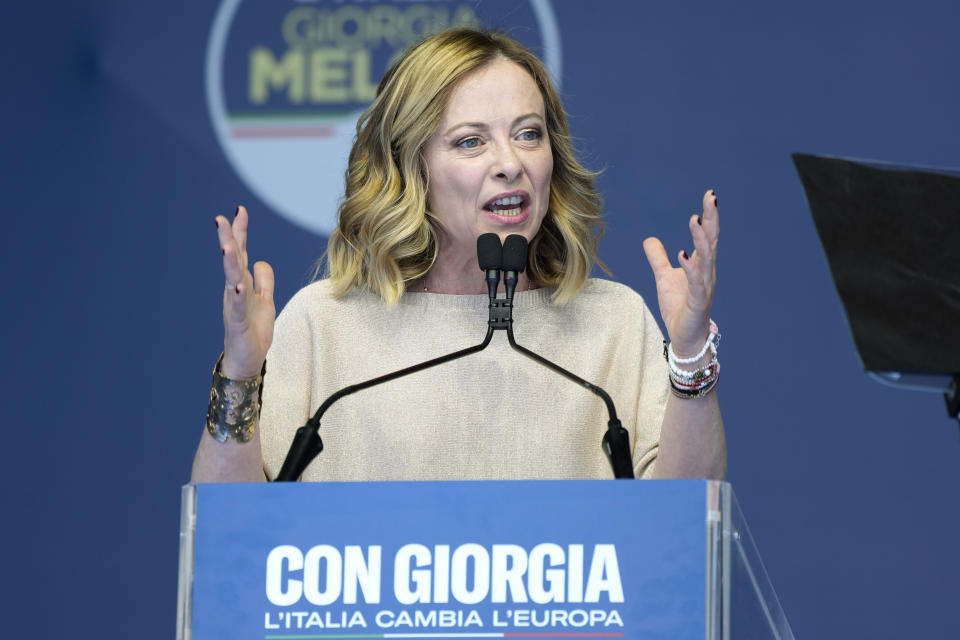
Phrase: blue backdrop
pixel 112 173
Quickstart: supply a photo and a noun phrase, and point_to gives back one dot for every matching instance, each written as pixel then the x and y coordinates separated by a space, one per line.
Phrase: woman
pixel 466 136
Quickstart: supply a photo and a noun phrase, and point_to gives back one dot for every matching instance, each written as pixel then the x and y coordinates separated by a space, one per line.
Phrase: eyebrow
pixel 483 125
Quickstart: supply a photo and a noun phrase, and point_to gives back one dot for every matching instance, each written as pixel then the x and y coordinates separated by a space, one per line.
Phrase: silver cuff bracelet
pixel 234 406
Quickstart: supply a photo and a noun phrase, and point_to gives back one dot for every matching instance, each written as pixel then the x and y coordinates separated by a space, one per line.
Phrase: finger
pixel 657 257
pixel 711 215
pixel 233 270
pixel 702 264
pixel 695 279
pixel 236 297
pixel 703 248
pixel 709 199
pixel 241 220
pixel 263 277
pixel 705 229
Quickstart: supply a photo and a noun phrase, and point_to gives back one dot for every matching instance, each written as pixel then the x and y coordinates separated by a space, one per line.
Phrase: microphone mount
pixel 513 261
pixel 490 256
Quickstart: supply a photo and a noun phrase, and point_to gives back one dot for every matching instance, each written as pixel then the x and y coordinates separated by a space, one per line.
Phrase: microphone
pixel 489 255
pixel 514 261
pixel 616 441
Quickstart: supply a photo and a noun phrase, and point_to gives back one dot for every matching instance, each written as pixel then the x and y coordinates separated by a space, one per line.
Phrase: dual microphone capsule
pixel 510 258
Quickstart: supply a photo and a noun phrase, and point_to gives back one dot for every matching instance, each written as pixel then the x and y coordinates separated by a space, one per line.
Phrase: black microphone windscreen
pixel 515 253
pixel 489 251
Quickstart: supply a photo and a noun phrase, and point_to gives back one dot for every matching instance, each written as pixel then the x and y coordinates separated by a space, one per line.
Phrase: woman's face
pixel 490 160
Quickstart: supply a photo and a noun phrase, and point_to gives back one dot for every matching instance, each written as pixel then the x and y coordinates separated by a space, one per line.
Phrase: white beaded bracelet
pixel 713 339
pixel 684 375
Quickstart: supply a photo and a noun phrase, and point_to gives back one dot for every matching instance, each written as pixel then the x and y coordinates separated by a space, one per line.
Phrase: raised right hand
pixel 248 308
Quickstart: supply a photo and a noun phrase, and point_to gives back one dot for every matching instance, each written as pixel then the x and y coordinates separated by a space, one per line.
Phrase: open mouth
pixel 506 206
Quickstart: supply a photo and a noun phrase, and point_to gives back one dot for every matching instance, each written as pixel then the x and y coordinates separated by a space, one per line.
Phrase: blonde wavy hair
pixel 385 237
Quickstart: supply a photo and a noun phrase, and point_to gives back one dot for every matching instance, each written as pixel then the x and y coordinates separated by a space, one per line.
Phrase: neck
pixel 432 283
pixel 455 271
pixel 452 274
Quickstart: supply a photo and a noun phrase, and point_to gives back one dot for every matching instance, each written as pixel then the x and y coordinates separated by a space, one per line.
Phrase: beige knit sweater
pixel 492 415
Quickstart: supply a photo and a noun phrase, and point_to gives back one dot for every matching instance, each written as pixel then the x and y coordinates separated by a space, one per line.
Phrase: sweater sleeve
pixel 651 397
pixel 288 382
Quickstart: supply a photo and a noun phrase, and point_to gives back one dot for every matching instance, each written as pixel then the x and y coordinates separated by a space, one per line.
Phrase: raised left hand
pixel 686 293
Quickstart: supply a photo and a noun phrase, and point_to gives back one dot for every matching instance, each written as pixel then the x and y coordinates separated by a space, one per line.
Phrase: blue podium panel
pixel 544 559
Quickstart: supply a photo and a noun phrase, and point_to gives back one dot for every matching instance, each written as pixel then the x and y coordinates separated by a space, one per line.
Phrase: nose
pixel 507 165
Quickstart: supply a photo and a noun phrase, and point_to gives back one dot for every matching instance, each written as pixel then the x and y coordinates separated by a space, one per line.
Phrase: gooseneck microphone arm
pixel 307 443
pixel 616 441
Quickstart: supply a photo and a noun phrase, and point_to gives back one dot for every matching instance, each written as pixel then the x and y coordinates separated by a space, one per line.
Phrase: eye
pixel 468 143
pixel 530 135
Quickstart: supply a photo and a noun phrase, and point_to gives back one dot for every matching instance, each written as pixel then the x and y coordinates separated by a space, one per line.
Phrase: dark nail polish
pixel 223 252
pixel 237 289
pixel 237 212
pixel 685 256
pixel 700 220
pixel 716 201
pixel 216 223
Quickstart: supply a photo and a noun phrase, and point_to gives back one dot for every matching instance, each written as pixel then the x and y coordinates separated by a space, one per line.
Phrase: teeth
pixel 505 201
pixel 508 212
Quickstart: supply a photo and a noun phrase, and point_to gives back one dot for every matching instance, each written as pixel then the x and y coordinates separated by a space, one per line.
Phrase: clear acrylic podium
pixel 547 559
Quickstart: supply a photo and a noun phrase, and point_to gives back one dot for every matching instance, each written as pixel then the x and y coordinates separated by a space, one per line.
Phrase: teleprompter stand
pixel 890 236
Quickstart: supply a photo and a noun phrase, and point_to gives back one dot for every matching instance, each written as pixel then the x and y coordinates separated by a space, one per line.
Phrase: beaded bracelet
pixel 701 377
pixel 696 374
pixel 694 393
pixel 699 382
pixel 712 342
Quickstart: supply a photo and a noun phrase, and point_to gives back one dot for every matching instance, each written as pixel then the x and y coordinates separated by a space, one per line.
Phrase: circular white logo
pixel 287 79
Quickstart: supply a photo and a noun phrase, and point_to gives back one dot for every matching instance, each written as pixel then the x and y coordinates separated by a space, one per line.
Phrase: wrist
pixel 698 351
pixel 688 345
pixel 234 370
